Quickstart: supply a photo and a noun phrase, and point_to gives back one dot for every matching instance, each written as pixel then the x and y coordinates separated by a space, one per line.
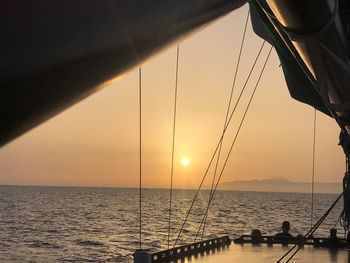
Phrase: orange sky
pixel 95 142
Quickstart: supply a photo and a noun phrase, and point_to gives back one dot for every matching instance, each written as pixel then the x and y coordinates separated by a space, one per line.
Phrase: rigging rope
pixel 173 145
pixel 140 156
pixel 338 220
pixel 217 146
pixel 309 233
pixel 238 130
pixel 313 169
pixel 227 114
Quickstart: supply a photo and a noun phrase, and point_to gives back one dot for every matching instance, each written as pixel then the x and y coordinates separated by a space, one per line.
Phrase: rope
pixel 309 233
pixel 217 146
pixel 226 117
pixel 336 223
pixel 343 222
pixel 173 145
pixel 313 169
pixel 238 130
pixel 140 156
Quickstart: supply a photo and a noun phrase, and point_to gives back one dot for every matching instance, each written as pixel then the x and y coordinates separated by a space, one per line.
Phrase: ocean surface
pixel 72 224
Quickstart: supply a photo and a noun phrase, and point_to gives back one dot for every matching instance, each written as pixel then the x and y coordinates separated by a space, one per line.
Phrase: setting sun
pixel 185 161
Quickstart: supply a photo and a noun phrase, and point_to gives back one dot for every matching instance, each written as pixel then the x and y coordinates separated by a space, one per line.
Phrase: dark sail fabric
pixel 54 54
pixel 300 87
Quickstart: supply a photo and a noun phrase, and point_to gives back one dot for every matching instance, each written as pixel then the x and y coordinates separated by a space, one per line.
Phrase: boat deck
pixel 261 253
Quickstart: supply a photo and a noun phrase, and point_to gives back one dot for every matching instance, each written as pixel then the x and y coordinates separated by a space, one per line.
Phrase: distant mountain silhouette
pixel 280 185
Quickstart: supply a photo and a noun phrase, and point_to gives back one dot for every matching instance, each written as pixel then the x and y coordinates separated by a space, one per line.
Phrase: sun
pixel 185 161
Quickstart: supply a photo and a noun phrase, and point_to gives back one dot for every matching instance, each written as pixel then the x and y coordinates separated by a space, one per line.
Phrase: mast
pixel 344 141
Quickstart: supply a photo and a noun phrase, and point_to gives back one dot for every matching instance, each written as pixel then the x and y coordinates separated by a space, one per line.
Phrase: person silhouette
pixel 284 236
pixel 256 236
pixel 285 230
pixel 333 234
pixel 333 240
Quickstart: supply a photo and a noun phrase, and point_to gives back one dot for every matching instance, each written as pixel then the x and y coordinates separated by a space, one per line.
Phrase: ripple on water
pixel 92 243
pixel 58 224
pixel 43 244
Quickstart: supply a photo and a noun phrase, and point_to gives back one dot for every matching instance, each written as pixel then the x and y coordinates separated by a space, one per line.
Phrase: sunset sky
pixel 95 142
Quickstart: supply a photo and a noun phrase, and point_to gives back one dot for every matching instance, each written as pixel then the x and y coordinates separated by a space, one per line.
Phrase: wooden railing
pixel 271 240
pixel 190 249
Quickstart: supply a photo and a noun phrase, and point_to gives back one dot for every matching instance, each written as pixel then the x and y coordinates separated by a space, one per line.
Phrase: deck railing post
pixel 142 256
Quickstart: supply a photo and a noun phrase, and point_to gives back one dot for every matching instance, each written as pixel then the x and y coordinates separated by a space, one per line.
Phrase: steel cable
pixel 173 145
pixel 313 169
pixel 238 130
pixel 217 147
pixel 225 122
pixel 140 157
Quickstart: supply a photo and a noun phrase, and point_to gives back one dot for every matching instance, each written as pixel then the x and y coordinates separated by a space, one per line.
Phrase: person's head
pixel 256 233
pixel 256 236
pixel 285 226
pixel 300 239
pixel 333 233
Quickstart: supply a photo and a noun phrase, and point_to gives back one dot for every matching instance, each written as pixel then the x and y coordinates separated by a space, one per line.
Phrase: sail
pixel 312 41
pixel 298 83
pixel 54 54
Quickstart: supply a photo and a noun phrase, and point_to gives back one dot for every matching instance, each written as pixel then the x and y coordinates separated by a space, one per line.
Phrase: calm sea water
pixel 70 224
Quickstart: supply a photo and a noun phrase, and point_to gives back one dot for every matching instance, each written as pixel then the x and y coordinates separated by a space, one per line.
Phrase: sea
pixel 77 224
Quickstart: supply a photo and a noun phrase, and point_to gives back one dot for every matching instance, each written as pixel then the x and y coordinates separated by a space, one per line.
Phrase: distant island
pixel 280 185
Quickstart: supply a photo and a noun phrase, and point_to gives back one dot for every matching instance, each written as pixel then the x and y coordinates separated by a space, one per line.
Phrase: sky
pixel 95 142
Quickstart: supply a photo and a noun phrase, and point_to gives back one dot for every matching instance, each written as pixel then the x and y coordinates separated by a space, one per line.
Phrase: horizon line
pixel 159 188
